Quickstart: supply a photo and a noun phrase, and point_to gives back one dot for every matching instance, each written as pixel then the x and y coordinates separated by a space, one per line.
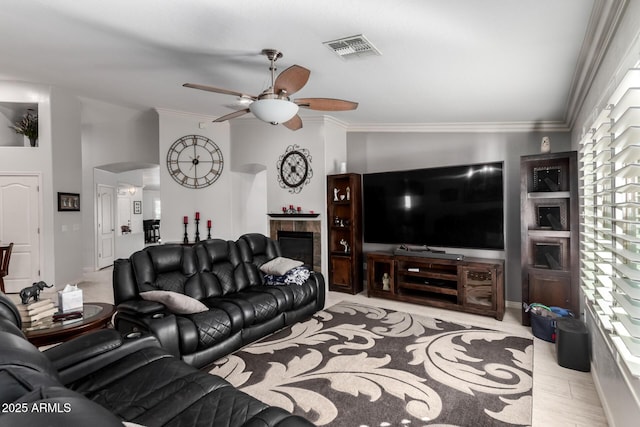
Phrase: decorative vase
pixel 33 142
pixel 545 145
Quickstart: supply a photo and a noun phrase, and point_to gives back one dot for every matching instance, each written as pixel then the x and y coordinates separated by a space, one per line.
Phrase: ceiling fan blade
pixel 291 80
pixel 294 123
pixel 218 90
pixel 232 115
pixel 326 104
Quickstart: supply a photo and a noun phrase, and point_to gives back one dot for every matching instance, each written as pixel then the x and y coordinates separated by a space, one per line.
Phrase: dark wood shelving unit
pixel 344 219
pixel 549 230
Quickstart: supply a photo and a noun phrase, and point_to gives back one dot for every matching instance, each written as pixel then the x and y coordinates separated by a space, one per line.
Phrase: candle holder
pixel 197 231
pixel 186 237
pixel 208 231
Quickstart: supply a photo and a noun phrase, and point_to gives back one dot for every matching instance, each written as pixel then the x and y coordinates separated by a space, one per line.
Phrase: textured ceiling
pixel 455 61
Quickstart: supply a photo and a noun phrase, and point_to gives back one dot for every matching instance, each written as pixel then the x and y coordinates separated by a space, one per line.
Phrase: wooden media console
pixel 472 285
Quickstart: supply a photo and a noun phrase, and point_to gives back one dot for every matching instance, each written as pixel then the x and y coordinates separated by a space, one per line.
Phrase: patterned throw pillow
pixel 295 276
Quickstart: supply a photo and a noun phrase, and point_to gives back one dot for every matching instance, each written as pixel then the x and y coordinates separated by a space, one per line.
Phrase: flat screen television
pixel 452 207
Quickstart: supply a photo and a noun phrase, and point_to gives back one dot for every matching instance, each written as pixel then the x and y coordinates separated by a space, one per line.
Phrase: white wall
pixel 335 147
pixel 149 199
pixel 127 244
pixel 38 159
pixel 66 158
pixel 213 202
pixel 8 137
pixel 58 161
pixel 386 151
pixel 256 142
pixel 113 138
pixel 249 199
pixel 257 145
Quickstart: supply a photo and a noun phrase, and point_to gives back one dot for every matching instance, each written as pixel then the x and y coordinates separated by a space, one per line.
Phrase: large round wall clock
pixel 294 168
pixel 194 161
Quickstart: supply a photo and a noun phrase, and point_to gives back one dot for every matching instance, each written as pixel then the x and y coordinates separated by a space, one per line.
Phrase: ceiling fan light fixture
pixel 274 111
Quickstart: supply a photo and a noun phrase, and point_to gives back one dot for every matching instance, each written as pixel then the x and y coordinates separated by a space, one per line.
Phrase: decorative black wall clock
pixel 294 168
pixel 194 161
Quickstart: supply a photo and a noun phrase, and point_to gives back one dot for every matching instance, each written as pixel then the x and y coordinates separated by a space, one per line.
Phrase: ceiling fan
pixel 273 104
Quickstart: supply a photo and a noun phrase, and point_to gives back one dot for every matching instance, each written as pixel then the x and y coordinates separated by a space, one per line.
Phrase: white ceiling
pixel 454 61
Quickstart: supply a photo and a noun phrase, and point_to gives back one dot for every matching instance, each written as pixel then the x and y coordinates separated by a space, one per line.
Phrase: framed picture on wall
pixel 68 202
pixel 137 207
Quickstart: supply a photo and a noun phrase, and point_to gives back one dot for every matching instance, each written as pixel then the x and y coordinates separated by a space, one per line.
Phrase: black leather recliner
pixel 101 379
pixel 225 276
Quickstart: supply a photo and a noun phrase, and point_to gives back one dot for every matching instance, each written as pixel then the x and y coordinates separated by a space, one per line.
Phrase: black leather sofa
pixel 223 275
pixel 102 379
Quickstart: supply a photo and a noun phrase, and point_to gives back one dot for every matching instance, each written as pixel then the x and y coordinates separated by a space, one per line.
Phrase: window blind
pixel 610 224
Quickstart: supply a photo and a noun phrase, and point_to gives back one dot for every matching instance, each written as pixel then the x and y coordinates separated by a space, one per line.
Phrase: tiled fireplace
pixel 296 234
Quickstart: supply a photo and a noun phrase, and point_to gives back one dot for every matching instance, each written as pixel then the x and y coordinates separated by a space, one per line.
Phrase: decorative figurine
pixel 385 281
pixel 348 193
pixel 335 194
pixel 545 145
pixel 345 244
pixel 33 291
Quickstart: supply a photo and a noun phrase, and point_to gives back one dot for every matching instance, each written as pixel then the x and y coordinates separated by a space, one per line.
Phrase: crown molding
pixel 604 20
pixel 453 127
pixel 474 127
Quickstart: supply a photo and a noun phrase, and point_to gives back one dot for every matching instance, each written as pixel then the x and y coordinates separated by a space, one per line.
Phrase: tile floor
pixel 561 396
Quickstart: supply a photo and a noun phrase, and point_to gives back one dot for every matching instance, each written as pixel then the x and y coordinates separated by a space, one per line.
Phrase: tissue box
pixel 70 299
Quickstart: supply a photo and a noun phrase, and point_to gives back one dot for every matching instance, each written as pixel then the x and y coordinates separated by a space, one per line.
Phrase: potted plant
pixel 28 126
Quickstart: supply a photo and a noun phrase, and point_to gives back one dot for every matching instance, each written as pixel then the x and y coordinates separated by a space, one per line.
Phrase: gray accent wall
pixel 386 151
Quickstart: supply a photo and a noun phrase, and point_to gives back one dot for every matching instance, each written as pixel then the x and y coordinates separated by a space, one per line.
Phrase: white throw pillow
pixel 175 302
pixel 279 266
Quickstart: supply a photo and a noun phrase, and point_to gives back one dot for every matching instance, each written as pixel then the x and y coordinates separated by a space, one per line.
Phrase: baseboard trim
pixel 513 304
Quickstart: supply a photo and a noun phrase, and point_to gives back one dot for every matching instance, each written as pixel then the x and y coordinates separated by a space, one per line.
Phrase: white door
pixel 106 227
pixel 19 223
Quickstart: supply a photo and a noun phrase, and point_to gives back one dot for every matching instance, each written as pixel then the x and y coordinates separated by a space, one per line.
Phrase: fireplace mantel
pixel 294 215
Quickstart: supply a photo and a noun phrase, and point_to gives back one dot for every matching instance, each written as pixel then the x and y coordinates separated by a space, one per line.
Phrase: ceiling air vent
pixel 353 47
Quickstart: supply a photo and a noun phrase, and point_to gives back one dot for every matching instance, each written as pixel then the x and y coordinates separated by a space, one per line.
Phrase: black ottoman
pixel 572 344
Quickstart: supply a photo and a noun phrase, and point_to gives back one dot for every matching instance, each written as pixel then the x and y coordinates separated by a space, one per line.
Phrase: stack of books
pixel 37 315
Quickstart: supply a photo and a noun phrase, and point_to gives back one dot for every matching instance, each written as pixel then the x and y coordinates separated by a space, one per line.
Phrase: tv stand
pixel 472 285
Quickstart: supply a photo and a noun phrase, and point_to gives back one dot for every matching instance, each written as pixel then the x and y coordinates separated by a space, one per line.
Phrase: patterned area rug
pixel 355 365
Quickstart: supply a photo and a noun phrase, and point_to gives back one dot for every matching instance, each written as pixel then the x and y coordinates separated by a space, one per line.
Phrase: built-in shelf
pixel 344 232
pixel 549 195
pixel 549 226
pixel 549 233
